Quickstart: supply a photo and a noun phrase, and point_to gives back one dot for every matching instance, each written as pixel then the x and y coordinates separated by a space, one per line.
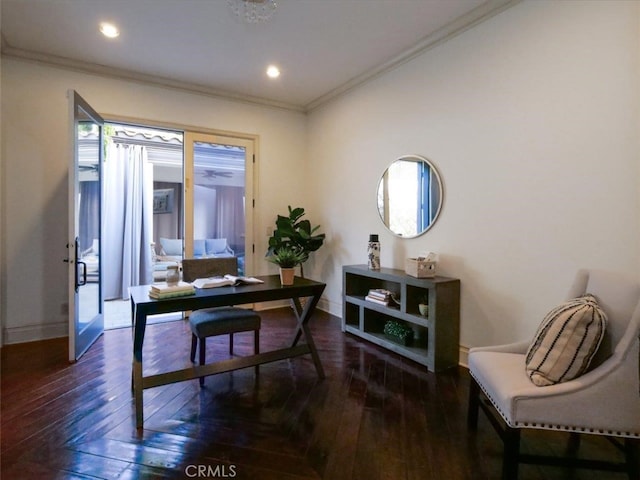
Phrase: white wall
pixel 35 157
pixel 531 117
pixel 532 120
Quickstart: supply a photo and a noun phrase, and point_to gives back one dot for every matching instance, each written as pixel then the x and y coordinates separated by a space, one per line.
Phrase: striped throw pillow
pixel 566 341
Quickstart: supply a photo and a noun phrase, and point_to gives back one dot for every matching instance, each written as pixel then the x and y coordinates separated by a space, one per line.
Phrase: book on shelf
pixel 224 281
pixel 382 296
pixel 377 300
pixel 380 293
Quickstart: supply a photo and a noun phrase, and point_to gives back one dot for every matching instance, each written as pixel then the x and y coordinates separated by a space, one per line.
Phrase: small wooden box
pixel 420 268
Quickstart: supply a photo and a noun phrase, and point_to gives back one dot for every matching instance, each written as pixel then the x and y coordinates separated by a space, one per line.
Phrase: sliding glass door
pixel 219 197
pixel 171 194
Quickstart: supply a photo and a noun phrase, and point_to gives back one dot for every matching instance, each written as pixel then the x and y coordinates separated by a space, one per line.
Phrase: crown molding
pixel 456 27
pixel 123 74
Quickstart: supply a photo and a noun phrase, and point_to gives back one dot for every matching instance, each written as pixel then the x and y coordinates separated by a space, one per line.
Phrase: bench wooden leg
pixel 194 344
pixel 203 353
pixel 256 346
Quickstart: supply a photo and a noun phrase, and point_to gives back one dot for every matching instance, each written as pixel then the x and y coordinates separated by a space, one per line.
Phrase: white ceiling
pixel 323 47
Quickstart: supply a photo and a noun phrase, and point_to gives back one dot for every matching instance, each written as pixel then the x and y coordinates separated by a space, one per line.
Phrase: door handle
pixel 75 268
pixel 84 274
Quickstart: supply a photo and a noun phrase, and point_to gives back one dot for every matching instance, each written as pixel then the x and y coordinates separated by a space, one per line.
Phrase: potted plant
pixel 295 234
pixel 286 258
pixel 398 332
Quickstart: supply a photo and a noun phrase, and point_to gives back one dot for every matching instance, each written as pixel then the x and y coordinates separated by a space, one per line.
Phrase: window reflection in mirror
pixel 409 196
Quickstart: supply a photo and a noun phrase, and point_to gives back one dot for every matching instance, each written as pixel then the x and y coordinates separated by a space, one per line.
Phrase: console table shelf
pixel 435 337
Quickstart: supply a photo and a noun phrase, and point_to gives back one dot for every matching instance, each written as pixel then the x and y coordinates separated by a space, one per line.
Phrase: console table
pixel 436 336
pixel 142 306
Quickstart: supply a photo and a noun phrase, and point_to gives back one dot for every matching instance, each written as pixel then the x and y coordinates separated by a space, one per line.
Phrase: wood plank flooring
pixel 375 416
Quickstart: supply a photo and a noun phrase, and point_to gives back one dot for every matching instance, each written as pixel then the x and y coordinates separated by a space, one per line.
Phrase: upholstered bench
pixel 210 322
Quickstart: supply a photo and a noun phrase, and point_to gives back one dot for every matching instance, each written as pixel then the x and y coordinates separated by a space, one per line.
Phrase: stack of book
pixel 379 296
pixel 162 290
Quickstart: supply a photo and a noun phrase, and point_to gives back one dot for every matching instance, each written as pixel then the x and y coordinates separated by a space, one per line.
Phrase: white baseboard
pixel 332 308
pixel 261 306
pixel 33 333
pixel 464 356
pixel 323 305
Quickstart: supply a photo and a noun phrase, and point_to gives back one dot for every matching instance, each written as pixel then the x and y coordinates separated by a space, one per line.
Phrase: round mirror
pixel 410 196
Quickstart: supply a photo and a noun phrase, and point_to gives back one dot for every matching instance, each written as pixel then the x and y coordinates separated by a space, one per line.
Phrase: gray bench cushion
pixel 209 322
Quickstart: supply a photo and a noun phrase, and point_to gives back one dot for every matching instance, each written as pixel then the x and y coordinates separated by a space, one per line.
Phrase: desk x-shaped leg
pixel 303 314
pixel 140 382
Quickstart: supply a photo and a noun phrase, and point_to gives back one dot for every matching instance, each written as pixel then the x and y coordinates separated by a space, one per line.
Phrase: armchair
pixel 603 401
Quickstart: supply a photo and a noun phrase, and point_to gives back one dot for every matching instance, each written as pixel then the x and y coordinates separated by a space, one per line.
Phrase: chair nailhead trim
pixel 567 428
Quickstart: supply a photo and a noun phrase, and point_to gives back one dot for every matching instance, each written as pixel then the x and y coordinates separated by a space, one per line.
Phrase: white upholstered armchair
pixel 603 401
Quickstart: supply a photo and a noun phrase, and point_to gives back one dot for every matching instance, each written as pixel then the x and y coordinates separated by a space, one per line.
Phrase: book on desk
pixel 162 290
pixel 224 281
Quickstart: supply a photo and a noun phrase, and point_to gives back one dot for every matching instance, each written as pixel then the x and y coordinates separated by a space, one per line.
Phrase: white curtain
pixel 128 220
pixel 229 214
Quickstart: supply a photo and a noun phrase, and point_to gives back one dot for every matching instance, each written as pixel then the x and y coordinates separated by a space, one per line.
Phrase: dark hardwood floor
pixel 374 416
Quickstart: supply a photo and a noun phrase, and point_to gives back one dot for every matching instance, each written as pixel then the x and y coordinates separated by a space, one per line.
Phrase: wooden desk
pixel 142 306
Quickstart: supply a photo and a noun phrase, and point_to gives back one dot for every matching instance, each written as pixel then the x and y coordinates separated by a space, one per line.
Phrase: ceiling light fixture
pixel 273 71
pixel 252 11
pixel 109 30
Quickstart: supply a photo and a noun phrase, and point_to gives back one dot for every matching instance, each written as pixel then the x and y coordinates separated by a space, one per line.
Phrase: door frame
pixel 222 139
pixel 251 173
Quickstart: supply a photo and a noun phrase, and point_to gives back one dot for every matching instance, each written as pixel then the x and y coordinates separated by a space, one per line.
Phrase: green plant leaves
pixel 293 232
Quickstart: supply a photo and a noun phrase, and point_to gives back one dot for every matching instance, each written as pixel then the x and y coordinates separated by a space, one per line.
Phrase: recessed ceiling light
pixel 109 30
pixel 273 71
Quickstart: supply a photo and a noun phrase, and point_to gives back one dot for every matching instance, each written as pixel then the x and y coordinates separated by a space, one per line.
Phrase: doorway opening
pixel 138 161
pixel 166 198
